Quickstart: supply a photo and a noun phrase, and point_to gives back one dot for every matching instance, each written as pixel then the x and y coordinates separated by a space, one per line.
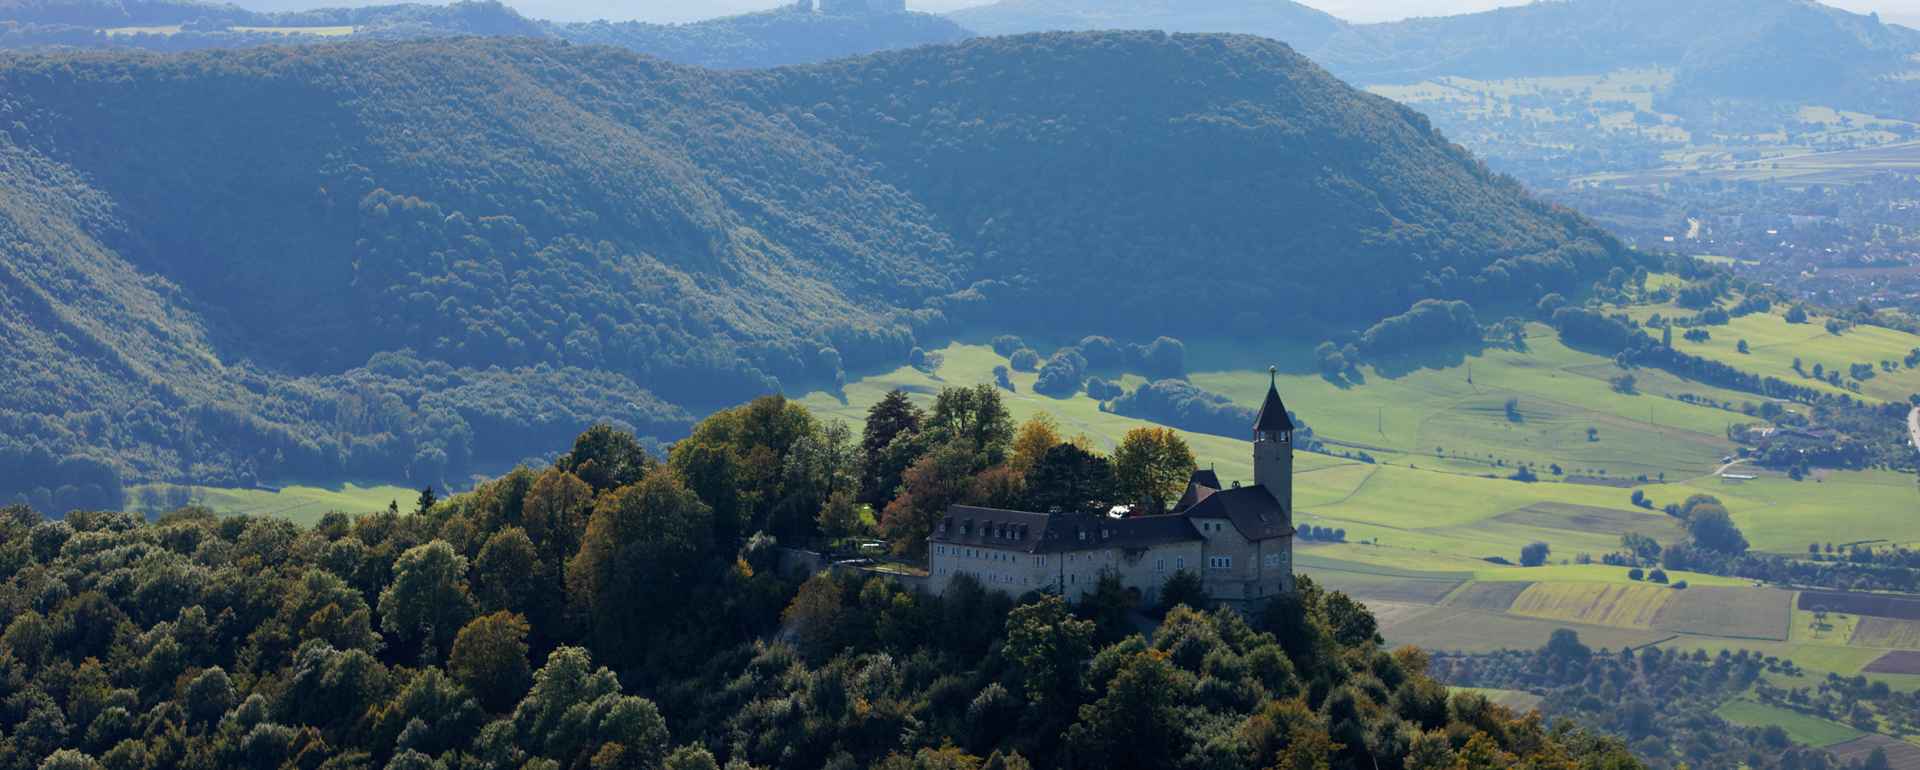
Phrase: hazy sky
pixel 1903 11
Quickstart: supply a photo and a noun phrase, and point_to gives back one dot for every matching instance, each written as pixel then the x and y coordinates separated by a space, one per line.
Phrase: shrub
pixel 1534 554
pixel 1060 377
pixel 1006 345
pixel 1428 322
pixel 1102 353
pixel 1636 574
pixel 1179 404
pixel 1003 378
pixel 1165 357
pixel 1101 389
pixel 1657 576
pixel 1024 360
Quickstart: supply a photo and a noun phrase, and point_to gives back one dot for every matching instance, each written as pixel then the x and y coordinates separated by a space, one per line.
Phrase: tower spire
pixel 1273 414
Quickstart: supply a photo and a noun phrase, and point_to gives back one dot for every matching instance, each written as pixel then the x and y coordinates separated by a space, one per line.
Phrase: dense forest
pixel 450 250
pixel 622 610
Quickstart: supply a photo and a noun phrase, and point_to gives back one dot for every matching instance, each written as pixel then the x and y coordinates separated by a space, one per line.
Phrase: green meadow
pixel 303 504
pixel 1773 344
pixel 1802 728
pixel 1450 411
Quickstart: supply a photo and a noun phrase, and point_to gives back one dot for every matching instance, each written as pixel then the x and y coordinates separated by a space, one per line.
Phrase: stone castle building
pixel 1238 540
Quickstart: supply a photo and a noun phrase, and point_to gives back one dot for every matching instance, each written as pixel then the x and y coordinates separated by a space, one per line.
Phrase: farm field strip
pixel 1743 612
pixel 1599 604
pixel 1901 755
pixel 1886 632
pixel 1491 597
pixel 1895 662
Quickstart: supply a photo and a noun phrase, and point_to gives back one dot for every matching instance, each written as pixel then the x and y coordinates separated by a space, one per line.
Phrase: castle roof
pixel 1028 532
pixel 1252 509
pixel 1201 484
pixel 1273 414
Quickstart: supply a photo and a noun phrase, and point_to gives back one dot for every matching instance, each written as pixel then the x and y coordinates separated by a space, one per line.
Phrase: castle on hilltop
pixel 1239 540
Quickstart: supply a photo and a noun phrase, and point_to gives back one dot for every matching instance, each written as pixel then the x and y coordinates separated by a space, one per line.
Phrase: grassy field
pixel 1449 412
pixel 1782 515
pixel 1518 700
pixel 1773 344
pixel 1812 731
pixel 303 504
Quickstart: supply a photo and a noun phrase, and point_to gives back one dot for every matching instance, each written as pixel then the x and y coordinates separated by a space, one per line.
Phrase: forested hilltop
pixel 371 260
pixel 613 611
pixel 785 35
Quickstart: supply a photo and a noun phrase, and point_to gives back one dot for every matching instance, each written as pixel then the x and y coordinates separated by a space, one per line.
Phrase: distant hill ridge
pixel 791 34
pixel 368 259
pixel 1771 49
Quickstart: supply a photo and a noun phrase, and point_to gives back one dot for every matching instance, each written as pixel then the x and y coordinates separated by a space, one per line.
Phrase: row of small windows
pixel 959 552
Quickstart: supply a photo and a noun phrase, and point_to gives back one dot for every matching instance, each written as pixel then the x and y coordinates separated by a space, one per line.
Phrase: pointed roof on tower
pixel 1273 414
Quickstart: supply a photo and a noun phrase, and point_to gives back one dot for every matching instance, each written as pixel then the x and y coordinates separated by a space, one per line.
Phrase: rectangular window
pixel 1220 562
pixel 1179 562
pixel 1273 560
pixel 1159 565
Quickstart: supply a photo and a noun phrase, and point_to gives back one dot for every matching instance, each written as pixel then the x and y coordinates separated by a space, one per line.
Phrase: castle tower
pixel 1273 447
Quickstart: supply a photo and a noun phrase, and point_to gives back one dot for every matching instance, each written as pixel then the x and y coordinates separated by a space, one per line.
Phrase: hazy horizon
pixel 1899 11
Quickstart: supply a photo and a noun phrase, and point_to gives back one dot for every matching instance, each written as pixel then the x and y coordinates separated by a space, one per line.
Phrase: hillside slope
pixel 376 260
pixel 1228 182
